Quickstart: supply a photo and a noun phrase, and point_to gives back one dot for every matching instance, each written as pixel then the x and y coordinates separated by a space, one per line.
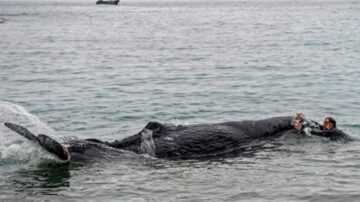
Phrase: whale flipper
pixel 45 142
pixel 22 131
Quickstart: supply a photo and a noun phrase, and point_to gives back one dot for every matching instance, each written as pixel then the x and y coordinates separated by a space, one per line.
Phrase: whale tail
pixel 45 142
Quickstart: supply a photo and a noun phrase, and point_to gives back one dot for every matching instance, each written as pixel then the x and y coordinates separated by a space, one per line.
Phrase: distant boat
pixel 114 2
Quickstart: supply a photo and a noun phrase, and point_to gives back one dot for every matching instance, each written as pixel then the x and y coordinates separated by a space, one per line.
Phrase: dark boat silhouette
pixel 114 2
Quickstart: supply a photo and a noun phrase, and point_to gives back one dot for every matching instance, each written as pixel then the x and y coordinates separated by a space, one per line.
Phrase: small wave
pixel 17 14
pixel 352 125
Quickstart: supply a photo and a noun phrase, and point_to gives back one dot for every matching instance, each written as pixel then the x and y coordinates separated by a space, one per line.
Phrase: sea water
pixel 73 69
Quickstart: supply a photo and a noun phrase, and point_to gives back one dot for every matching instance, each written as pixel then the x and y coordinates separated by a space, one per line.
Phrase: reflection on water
pixel 44 177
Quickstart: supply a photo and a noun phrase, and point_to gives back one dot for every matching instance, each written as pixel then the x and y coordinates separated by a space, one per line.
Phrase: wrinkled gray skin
pixel 191 141
pixel 170 141
pixel 211 139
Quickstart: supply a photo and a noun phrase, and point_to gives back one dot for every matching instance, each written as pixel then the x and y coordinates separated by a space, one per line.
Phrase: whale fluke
pixel 45 142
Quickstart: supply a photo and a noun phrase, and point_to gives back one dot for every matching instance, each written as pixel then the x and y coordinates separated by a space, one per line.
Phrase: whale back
pixel 337 135
pixel 262 128
pixel 212 139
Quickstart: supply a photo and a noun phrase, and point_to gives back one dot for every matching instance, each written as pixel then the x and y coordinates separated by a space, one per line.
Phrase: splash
pixel 177 122
pixel 147 145
pixel 15 149
pixel 10 112
pixel 24 153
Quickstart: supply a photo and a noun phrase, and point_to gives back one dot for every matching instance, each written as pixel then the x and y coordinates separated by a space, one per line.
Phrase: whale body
pixel 167 141
pixel 188 141
pixel 191 141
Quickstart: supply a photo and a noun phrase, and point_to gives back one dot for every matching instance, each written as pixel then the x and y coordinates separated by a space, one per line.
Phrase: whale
pixel 213 139
pixel 185 141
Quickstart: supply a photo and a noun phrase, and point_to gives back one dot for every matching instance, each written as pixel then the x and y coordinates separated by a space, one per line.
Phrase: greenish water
pixel 75 69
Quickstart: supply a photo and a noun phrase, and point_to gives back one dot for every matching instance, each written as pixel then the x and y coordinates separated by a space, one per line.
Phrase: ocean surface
pixel 73 69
